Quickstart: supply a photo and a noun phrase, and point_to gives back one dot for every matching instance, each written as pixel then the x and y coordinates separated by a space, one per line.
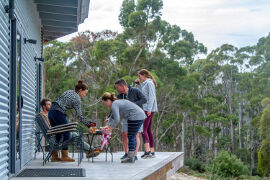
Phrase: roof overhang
pixel 61 17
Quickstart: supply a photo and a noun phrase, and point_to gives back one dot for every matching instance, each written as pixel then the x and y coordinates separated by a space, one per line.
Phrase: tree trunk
pixel 208 145
pixel 213 141
pixel 239 128
pixel 252 152
pixel 231 128
pixel 183 132
pixel 192 139
pixel 135 60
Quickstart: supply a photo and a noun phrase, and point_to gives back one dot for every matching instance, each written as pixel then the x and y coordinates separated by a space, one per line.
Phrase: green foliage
pixel 151 7
pixel 217 100
pixel 128 6
pixel 195 164
pixel 56 70
pixel 264 123
pixel 203 131
pixel 227 165
pixel 264 158
pixel 263 163
pixel 264 152
pixel 137 20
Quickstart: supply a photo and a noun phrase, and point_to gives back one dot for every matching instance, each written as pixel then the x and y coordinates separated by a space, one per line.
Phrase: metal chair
pixel 52 145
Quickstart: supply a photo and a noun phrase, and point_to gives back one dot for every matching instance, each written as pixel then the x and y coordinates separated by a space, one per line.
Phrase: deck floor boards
pixel 102 170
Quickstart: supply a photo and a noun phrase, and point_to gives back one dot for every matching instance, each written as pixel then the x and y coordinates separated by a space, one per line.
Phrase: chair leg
pixel 72 150
pixel 82 150
pixel 48 157
pixel 111 152
pixel 79 154
pixel 106 152
pixel 111 156
pixel 43 151
pixel 80 158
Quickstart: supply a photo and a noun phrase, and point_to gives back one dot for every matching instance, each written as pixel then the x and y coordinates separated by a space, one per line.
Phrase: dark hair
pixel 81 86
pixel 43 102
pixel 110 96
pixel 121 82
pixel 147 74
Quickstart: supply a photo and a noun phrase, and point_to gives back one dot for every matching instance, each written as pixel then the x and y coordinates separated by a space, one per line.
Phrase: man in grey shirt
pixel 136 96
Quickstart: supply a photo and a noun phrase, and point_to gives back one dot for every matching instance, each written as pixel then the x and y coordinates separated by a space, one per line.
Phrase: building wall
pixel 4 90
pixel 30 25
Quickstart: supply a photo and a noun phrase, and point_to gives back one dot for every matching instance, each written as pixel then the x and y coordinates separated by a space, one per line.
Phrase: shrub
pixel 195 164
pixel 264 159
pixel 228 165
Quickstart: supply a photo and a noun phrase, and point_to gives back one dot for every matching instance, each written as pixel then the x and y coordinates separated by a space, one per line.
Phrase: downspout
pixel 12 75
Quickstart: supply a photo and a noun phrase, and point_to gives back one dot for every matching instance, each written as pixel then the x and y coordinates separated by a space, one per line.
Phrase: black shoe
pixel 153 154
pixel 128 160
pixel 136 158
pixel 146 155
pixel 124 157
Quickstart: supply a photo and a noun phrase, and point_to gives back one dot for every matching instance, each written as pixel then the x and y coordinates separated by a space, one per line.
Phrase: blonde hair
pixel 147 74
pixel 110 96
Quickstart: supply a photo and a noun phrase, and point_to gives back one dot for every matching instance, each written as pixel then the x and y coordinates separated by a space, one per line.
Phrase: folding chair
pixel 52 145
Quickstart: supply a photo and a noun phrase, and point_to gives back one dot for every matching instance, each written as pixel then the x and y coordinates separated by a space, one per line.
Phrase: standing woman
pixel 127 110
pixel 148 88
pixel 70 99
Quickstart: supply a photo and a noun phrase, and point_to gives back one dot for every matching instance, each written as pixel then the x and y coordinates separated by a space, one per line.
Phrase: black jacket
pixel 134 95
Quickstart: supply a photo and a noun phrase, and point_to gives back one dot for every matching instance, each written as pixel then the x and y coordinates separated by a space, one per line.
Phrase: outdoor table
pixel 90 139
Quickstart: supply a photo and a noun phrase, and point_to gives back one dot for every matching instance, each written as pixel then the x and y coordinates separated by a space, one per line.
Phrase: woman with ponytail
pixel 129 111
pixel 70 99
pixel 147 85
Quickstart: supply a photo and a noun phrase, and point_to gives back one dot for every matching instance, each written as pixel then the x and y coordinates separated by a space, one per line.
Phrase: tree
pixel 263 155
pixel 140 24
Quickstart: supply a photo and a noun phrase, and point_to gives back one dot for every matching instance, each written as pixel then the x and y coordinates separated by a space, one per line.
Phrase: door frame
pixel 15 164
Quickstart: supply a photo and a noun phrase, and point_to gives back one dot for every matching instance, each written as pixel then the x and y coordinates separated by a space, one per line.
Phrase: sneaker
pixel 146 155
pixel 124 157
pixel 153 154
pixel 128 160
pixel 136 158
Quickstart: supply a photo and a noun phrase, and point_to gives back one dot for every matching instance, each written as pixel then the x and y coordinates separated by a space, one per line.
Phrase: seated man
pixel 46 105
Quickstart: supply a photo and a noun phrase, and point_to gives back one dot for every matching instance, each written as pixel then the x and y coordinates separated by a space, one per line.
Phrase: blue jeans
pixel 133 129
pixel 58 118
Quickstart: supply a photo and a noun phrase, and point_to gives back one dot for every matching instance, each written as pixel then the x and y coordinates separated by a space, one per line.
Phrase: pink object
pixel 105 139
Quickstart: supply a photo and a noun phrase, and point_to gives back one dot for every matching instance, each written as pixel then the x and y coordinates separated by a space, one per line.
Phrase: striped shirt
pixel 70 100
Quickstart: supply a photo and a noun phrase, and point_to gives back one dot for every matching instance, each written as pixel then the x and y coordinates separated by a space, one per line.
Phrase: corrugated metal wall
pixel 29 22
pixel 4 90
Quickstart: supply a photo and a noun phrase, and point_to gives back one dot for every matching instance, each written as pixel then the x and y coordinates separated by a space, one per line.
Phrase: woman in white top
pixel 148 88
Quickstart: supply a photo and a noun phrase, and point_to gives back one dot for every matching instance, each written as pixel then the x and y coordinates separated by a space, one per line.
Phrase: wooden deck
pixel 163 166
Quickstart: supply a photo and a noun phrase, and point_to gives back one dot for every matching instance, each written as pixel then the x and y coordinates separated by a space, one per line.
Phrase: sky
pixel 213 22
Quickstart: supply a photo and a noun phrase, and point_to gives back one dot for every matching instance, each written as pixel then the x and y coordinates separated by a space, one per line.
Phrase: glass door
pixel 19 100
pixel 16 100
